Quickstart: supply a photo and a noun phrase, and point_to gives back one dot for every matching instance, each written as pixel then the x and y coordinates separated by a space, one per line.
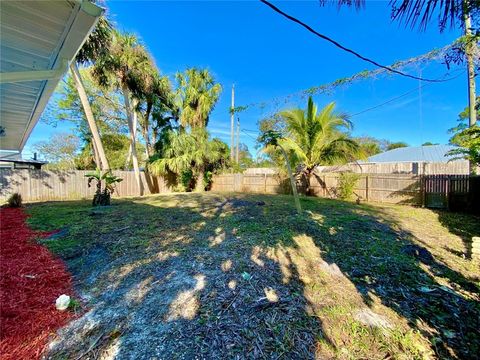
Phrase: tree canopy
pixel 197 95
pixel 312 137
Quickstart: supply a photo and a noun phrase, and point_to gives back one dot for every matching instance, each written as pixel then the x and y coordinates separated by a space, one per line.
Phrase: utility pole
pixel 232 124
pixel 470 48
pixel 237 158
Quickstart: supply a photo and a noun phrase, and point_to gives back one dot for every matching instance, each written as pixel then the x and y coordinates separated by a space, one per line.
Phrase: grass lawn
pixel 242 276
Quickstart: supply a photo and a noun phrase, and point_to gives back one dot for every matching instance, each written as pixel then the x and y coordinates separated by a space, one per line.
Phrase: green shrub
pixel 15 200
pixel 346 185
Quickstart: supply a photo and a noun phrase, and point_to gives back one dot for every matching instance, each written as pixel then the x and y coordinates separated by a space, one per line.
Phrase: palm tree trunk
pixel 132 126
pixel 154 139
pixel 129 154
pixel 309 182
pixel 97 143
pixel 152 181
pixel 147 143
pixel 145 130
pixel 469 52
pixel 129 157
pixel 200 186
pixel 470 48
pixel 292 181
pixel 96 158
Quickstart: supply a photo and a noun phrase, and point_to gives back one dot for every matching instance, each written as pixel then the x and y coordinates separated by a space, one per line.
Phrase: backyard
pixel 244 276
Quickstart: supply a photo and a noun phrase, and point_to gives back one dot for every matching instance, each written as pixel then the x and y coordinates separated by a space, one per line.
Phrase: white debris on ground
pixel 62 302
pixel 369 318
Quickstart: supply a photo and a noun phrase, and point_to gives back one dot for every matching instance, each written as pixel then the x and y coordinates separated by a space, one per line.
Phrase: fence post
pixel 366 187
pixel 324 187
pixel 447 190
pixel 30 184
pixel 423 189
pixel 265 182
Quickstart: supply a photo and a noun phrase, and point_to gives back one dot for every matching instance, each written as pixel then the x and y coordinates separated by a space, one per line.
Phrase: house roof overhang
pixel 38 41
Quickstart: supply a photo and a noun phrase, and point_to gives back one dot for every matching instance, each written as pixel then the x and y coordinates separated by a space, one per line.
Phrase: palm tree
pixel 94 47
pixel 190 146
pixel 272 138
pixel 190 150
pixel 126 67
pixel 317 137
pixel 197 95
pixel 156 94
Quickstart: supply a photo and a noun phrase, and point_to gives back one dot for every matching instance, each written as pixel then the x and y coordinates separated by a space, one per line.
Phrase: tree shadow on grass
pixel 203 276
pixel 386 262
pixel 464 226
pixel 187 290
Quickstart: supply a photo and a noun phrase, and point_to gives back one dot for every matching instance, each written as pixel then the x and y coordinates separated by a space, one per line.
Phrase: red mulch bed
pixel 31 279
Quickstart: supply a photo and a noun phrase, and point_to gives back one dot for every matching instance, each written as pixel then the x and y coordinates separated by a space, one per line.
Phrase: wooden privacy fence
pixel 459 167
pixel 456 192
pixel 388 188
pixel 41 185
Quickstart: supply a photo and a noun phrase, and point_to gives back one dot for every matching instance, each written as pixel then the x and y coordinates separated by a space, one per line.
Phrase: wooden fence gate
pixel 453 192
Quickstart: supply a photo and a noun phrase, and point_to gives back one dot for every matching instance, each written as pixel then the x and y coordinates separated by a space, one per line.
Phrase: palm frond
pixel 315 137
pixel 420 12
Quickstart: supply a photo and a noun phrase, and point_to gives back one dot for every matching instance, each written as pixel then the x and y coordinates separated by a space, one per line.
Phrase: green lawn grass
pixel 226 275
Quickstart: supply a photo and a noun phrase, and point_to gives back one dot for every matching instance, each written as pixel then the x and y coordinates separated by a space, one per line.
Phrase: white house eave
pixel 82 20
pixel 34 75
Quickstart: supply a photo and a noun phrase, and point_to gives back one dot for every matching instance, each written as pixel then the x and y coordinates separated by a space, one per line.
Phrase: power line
pixel 337 44
pixel 418 88
pixel 250 130
pixel 401 96
pixel 388 101
pixel 246 133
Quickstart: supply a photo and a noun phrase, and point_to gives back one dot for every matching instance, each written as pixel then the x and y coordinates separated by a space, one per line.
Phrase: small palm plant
pixel 271 138
pixel 105 185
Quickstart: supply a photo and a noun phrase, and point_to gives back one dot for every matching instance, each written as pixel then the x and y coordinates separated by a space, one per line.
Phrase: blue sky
pixel 266 56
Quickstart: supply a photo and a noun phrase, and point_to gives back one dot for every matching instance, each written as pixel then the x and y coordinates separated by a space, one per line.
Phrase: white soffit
pixel 38 39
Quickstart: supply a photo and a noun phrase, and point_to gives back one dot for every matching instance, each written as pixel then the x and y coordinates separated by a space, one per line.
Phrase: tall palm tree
pixel 197 95
pixel 126 67
pixel 317 137
pixel 95 46
pixel 156 93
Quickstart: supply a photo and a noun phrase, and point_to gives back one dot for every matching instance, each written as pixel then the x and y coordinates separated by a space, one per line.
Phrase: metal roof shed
pixel 430 153
pixel 38 39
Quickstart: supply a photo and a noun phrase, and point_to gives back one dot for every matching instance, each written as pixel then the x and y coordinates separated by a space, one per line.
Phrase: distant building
pixel 417 160
pixel 428 154
pixel 260 171
pixel 15 161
